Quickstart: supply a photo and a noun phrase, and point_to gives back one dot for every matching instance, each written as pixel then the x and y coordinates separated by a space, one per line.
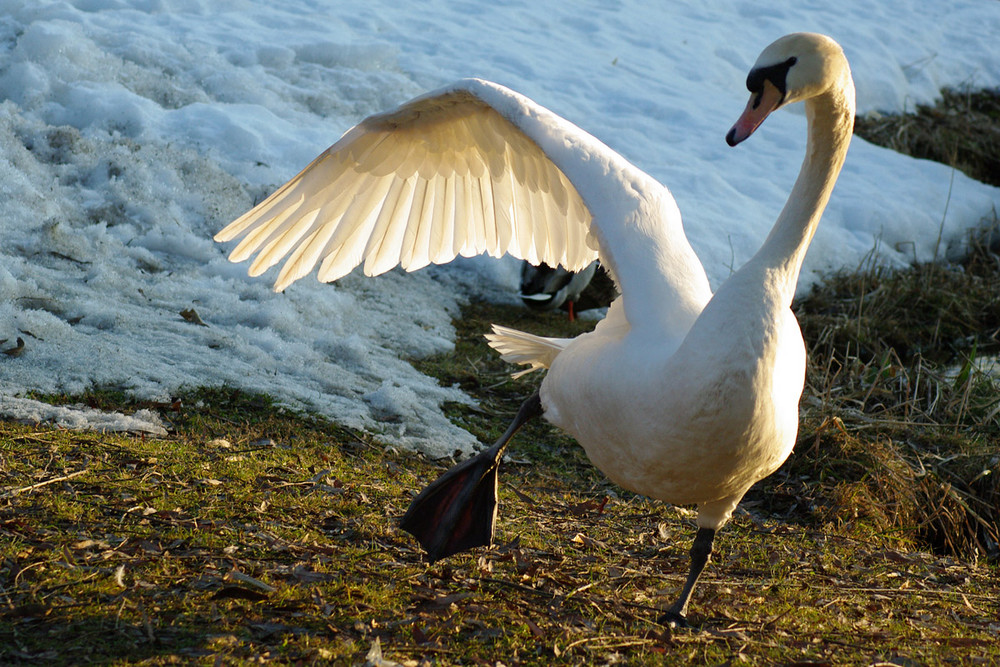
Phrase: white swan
pixel 678 394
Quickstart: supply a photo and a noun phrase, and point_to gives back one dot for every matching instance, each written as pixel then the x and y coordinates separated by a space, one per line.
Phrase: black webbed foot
pixel 458 510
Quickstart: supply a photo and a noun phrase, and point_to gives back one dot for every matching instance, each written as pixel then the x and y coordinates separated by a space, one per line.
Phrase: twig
pixel 619 644
pixel 561 597
pixel 944 216
pixel 247 579
pixel 33 487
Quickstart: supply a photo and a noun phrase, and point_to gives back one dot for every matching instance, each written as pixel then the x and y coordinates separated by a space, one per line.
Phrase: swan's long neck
pixel 831 122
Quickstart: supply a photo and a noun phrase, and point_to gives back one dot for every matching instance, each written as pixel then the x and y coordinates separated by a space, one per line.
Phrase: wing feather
pixel 443 223
pixel 383 249
pixel 346 246
pixel 281 241
pixel 410 256
pixel 444 175
pixel 432 208
pixel 464 243
pixel 258 235
pixel 495 242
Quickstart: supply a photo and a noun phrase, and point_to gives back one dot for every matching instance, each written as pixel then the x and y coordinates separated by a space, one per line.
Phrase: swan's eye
pixel 776 74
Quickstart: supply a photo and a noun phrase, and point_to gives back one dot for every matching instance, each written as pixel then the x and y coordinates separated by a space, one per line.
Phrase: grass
pixel 254 534
pixel 278 544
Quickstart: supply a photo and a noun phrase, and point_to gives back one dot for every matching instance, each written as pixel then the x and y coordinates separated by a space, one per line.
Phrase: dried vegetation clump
pixel 961 130
pixel 903 398
pixel 901 415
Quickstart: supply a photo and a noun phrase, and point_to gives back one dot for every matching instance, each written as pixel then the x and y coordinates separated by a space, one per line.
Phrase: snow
pixel 80 417
pixel 132 131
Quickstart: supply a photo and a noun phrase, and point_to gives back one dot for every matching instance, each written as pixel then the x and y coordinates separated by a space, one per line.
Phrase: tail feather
pixel 518 347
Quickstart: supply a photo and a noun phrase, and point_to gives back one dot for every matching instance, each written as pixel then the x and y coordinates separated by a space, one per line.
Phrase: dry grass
pixel 900 360
pixel 962 130
pixel 895 364
pixel 279 545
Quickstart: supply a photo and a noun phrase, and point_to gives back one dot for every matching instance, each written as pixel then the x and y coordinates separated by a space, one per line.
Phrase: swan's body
pixel 677 394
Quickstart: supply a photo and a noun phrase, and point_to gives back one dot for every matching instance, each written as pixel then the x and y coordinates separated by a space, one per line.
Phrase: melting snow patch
pixel 80 418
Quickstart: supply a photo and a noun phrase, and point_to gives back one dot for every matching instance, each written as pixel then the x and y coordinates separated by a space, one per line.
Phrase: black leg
pixel 701 553
pixel 458 510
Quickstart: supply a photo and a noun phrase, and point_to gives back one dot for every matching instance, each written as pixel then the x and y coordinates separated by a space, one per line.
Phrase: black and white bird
pixel 547 288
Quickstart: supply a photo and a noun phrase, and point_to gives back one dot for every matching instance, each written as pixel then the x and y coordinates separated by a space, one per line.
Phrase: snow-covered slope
pixel 130 132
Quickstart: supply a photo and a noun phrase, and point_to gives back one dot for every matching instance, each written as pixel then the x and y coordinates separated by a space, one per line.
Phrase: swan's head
pixel 796 67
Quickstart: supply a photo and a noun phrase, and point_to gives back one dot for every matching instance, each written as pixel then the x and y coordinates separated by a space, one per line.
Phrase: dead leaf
pixel 30 610
pixel 90 544
pixel 375 659
pixel 16 350
pixel 247 579
pixel 588 507
pixel 443 601
pixel 588 542
pixel 893 556
pixel 523 498
pixel 265 630
pixel 964 641
pixel 191 315
pixel 304 575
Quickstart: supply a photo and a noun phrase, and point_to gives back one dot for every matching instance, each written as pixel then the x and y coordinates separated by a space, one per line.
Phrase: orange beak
pixel 761 104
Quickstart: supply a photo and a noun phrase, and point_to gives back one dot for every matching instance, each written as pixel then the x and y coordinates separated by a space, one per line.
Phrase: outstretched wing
pixel 443 175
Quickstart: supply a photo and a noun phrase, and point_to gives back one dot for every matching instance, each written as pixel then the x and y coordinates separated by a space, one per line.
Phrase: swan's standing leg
pixel 701 553
pixel 459 509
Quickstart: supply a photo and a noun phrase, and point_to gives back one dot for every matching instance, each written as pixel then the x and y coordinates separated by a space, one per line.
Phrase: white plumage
pixel 444 175
pixel 677 394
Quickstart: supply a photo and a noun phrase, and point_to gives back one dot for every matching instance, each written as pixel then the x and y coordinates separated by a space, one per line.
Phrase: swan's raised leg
pixel 701 553
pixel 458 510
